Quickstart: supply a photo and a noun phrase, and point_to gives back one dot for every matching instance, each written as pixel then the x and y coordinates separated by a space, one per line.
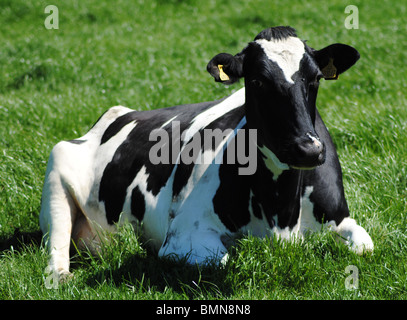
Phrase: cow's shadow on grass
pixel 142 272
pixel 19 240
pixel 126 259
pixel 148 273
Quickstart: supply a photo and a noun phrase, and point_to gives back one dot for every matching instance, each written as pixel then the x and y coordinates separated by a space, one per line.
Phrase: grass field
pixel 54 84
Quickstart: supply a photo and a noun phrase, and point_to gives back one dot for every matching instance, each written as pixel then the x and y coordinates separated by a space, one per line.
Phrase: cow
pixel 117 171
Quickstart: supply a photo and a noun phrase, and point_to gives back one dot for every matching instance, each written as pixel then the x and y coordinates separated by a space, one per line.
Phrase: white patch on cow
pixel 168 121
pixel 286 53
pixel 203 119
pixel 104 122
pixel 273 163
pixel 306 219
pixel 195 230
pixel 283 233
pixel 82 165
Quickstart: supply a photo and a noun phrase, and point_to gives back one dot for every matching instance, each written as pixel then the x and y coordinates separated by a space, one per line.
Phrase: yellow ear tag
pixel 330 70
pixel 222 75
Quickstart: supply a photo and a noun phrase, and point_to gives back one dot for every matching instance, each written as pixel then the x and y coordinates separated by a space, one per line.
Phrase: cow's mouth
pixel 308 163
pixel 303 168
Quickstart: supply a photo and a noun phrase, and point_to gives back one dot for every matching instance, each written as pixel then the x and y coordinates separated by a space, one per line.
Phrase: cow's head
pixel 282 75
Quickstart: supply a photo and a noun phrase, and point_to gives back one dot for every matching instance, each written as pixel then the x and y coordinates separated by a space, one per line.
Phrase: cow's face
pixel 281 78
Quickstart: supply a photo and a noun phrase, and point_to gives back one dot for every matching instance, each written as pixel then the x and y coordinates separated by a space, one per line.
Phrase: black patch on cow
pixel 277 33
pixel 77 141
pixel 231 201
pixel 328 195
pixel 138 204
pixel 288 194
pixel 117 125
pixel 256 208
pixel 181 177
pixel 229 120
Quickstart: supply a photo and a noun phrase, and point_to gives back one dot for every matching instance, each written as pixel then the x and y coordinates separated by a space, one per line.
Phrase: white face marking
pixel 287 53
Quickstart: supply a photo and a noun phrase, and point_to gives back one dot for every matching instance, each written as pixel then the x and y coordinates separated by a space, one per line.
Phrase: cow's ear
pixel 226 68
pixel 336 59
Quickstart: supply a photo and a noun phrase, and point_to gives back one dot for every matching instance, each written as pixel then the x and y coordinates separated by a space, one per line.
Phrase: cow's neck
pixel 279 192
pixel 282 189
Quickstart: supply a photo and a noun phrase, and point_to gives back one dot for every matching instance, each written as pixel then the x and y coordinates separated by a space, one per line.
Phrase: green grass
pixel 54 84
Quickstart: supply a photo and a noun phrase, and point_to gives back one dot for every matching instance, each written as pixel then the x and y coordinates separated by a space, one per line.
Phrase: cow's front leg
pixel 327 197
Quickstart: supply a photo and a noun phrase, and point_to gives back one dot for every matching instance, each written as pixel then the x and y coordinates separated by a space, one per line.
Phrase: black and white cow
pixel 290 184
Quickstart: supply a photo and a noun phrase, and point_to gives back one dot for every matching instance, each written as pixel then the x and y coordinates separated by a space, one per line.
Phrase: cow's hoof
pixel 64 276
pixel 355 236
pixel 361 242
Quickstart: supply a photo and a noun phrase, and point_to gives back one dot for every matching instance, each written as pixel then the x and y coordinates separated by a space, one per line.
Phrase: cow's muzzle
pixel 308 152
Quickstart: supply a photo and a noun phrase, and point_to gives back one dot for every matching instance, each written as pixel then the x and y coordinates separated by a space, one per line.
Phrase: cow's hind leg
pixel 58 211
